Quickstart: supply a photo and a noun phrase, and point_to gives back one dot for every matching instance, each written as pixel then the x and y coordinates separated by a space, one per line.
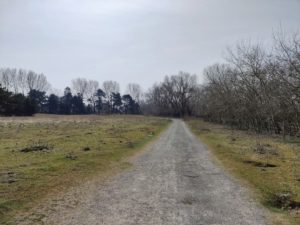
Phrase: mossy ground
pixel 78 147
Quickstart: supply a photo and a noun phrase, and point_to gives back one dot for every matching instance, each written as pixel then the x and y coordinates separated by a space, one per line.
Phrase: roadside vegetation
pixel 47 154
pixel 268 164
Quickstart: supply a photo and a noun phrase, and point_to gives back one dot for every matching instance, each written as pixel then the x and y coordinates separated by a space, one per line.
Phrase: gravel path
pixel 174 182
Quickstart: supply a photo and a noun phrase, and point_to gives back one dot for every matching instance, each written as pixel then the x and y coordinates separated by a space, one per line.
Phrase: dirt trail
pixel 174 182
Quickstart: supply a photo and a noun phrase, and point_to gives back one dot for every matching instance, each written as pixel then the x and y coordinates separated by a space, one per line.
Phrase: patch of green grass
pixel 62 151
pixel 268 164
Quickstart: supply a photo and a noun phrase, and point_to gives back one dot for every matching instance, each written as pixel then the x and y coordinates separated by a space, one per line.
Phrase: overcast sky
pixel 132 40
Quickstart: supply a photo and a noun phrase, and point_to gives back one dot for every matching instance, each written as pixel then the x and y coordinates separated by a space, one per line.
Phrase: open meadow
pixel 270 165
pixel 46 154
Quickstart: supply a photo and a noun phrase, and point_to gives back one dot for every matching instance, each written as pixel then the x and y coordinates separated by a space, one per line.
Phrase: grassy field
pixel 47 154
pixel 270 165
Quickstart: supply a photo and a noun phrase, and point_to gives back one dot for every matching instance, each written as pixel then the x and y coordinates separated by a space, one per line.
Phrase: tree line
pixel 175 96
pixel 24 93
pixel 255 88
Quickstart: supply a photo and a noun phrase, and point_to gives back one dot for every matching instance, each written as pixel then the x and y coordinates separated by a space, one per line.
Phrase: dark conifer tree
pixel 53 104
pixel 117 102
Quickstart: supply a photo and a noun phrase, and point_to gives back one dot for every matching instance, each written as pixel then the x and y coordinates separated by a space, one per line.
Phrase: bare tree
pixel 42 83
pixel 257 89
pixel 37 81
pixel 79 86
pixel 14 85
pixel 110 87
pixel 21 80
pixel 92 87
pixel 5 78
pixel 31 80
pixel 135 91
pixel 174 95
